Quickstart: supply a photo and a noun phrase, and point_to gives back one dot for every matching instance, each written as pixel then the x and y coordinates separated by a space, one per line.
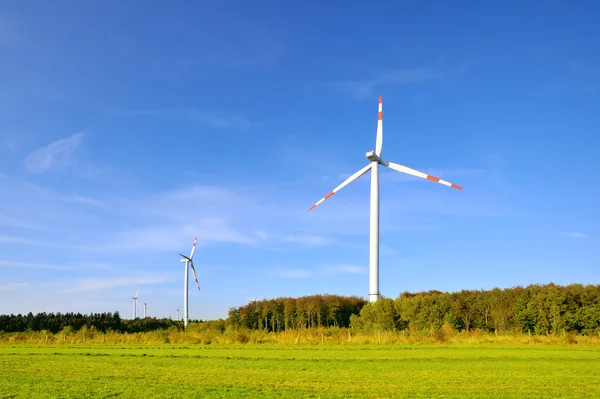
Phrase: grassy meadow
pixel 442 370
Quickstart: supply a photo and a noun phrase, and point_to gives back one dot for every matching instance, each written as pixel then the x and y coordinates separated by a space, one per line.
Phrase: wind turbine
pixel 135 302
pixel 375 160
pixel 144 310
pixel 177 314
pixel 187 261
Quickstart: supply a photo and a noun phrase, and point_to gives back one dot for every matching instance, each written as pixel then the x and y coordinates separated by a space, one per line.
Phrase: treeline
pixel 282 314
pixel 66 322
pixel 535 309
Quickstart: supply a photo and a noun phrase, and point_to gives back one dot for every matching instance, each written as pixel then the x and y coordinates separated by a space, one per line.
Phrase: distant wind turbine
pixel 144 310
pixel 135 302
pixel 188 260
pixel 375 160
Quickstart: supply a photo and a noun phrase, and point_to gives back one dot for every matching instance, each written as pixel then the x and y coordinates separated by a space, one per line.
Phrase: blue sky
pixel 128 128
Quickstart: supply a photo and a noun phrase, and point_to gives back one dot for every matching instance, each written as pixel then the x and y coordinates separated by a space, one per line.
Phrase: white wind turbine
pixel 135 302
pixel 187 261
pixel 375 159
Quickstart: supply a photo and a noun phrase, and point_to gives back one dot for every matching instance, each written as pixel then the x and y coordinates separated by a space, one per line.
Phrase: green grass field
pixel 299 371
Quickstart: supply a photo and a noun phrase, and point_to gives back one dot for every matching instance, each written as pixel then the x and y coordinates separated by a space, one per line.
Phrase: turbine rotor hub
pixel 371 156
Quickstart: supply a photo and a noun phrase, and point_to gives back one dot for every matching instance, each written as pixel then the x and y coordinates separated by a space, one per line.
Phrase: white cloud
pixel 95 284
pixel 193 115
pixel 309 240
pixel 588 74
pixel 17 223
pixel 323 271
pixel 294 273
pixel 170 236
pixel 14 286
pixel 76 198
pixel 55 155
pixel 261 234
pixel 8 33
pixel 350 269
pixel 53 266
pixel 363 89
pixel 33 265
pixel 13 239
pixel 272 216
pixel 577 235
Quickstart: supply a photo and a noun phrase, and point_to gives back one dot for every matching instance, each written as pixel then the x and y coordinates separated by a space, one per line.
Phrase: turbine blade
pixel 344 184
pixel 404 169
pixel 193 248
pixel 195 277
pixel 136 294
pixel 379 140
pixel 183 256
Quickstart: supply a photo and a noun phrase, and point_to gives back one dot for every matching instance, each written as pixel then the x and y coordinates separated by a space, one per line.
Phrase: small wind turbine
pixel 187 261
pixel 177 314
pixel 375 159
pixel 144 310
pixel 135 302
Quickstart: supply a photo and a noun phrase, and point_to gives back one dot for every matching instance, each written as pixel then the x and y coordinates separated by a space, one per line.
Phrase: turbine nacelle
pixel 373 157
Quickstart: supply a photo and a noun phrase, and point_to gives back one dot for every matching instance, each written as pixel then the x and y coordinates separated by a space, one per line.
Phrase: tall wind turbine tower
pixel 188 261
pixel 135 302
pixel 144 310
pixel 375 160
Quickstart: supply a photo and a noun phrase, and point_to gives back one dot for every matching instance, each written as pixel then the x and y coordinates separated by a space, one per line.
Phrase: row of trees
pixel 537 309
pixel 102 322
pixel 281 314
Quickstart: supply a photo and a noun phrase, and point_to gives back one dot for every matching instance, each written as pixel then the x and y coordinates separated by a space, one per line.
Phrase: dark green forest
pixel 534 309
pixel 101 322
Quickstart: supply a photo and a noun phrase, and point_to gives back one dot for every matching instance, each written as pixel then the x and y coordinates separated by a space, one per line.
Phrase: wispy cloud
pixel 576 235
pixel 243 214
pixel 240 42
pixel 78 199
pixel 588 74
pixel 8 33
pixel 363 89
pixel 34 265
pixel 9 144
pixel 325 270
pixel 96 284
pixel 294 273
pixel 309 240
pixel 352 269
pixel 17 223
pixel 13 240
pixel 55 155
pixel 219 120
pixel 14 286
pixel 170 236
pixel 53 266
